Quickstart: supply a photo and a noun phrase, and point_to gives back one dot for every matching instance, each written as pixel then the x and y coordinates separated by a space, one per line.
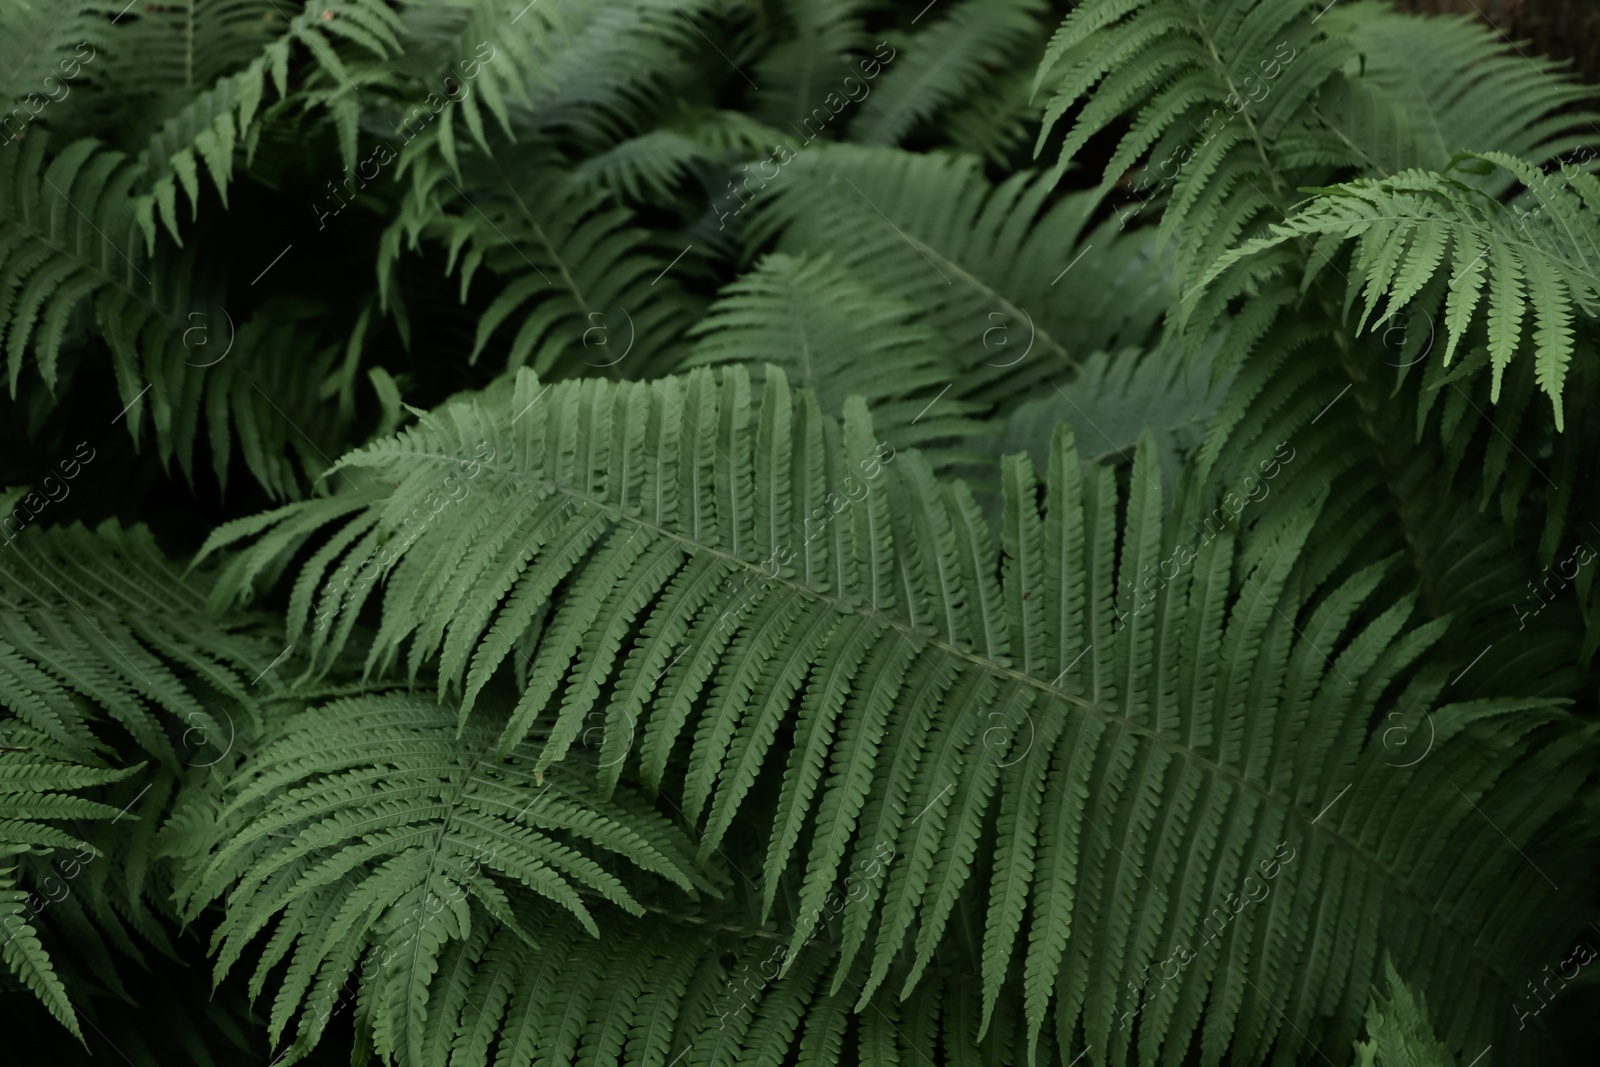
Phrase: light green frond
pixel 456 837
pixel 1538 255
pixel 1398 1032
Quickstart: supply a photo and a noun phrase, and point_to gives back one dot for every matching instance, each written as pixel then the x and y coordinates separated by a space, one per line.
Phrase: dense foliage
pixel 698 532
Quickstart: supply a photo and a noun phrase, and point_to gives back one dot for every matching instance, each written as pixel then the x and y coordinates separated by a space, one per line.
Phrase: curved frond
pixel 1202 698
pixel 397 877
pixel 1516 274
pixel 946 62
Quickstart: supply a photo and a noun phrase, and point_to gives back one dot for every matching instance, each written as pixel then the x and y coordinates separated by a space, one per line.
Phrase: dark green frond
pixel 1020 288
pixel 839 339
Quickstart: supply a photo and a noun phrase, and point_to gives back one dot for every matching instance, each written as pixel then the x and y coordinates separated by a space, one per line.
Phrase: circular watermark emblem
pixel 609 337
pixel 1407 336
pixel 1008 739
pixel 1407 738
pixel 198 739
pixel 207 335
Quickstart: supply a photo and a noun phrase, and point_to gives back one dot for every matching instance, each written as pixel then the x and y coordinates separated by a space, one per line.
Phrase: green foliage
pixel 1411 228
pixel 1397 1029
pixel 838 339
pixel 36 786
pixel 681 533
pixel 922 673
pixel 393 875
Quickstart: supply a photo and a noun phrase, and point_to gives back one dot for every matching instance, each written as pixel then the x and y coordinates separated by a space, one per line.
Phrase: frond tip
pixel 1410 228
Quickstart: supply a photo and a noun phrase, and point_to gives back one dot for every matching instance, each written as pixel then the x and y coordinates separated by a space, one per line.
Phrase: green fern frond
pixel 816 45
pixel 101 624
pixel 911 654
pixel 188 45
pixel 579 288
pixel 1020 287
pixel 458 837
pixel 1210 86
pixel 1426 88
pixel 40 40
pixel 40 784
pixel 651 166
pixel 946 62
pixel 1398 1032
pixel 1408 229
pixel 1110 404
pixel 839 339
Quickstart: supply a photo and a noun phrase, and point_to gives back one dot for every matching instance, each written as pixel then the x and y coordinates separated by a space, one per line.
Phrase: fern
pixel 804 532
pixel 813 318
pixel 946 62
pixel 573 264
pixel 1212 86
pixel 1116 398
pixel 38 784
pixel 1398 1030
pixel 1006 278
pixel 1499 258
pixel 361 872
pixel 1426 88
pixel 896 621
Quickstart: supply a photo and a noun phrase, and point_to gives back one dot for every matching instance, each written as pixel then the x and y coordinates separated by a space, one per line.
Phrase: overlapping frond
pixel 1094 671
pixel 592 71
pixel 201 69
pixel 1210 86
pixel 400 878
pixel 40 785
pixel 578 288
pixel 816 44
pixel 1426 88
pixel 98 627
pixel 1501 278
pixel 1114 399
pixel 1021 288
pixel 103 641
pixel 1398 1032
pixel 838 338
pixel 70 250
pixel 40 46
pixel 947 62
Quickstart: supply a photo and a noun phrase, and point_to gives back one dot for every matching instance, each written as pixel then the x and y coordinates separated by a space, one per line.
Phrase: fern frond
pixel 40 785
pixel 1407 228
pixel 946 62
pixel 102 624
pixel 1112 402
pixel 1203 726
pixel 1020 288
pixel 1398 1032
pixel 40 40
pixel 1427 88
pixel 816 45
pixel 1211 85
pixel 837 338
pixel 457 837
pixel 579 288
